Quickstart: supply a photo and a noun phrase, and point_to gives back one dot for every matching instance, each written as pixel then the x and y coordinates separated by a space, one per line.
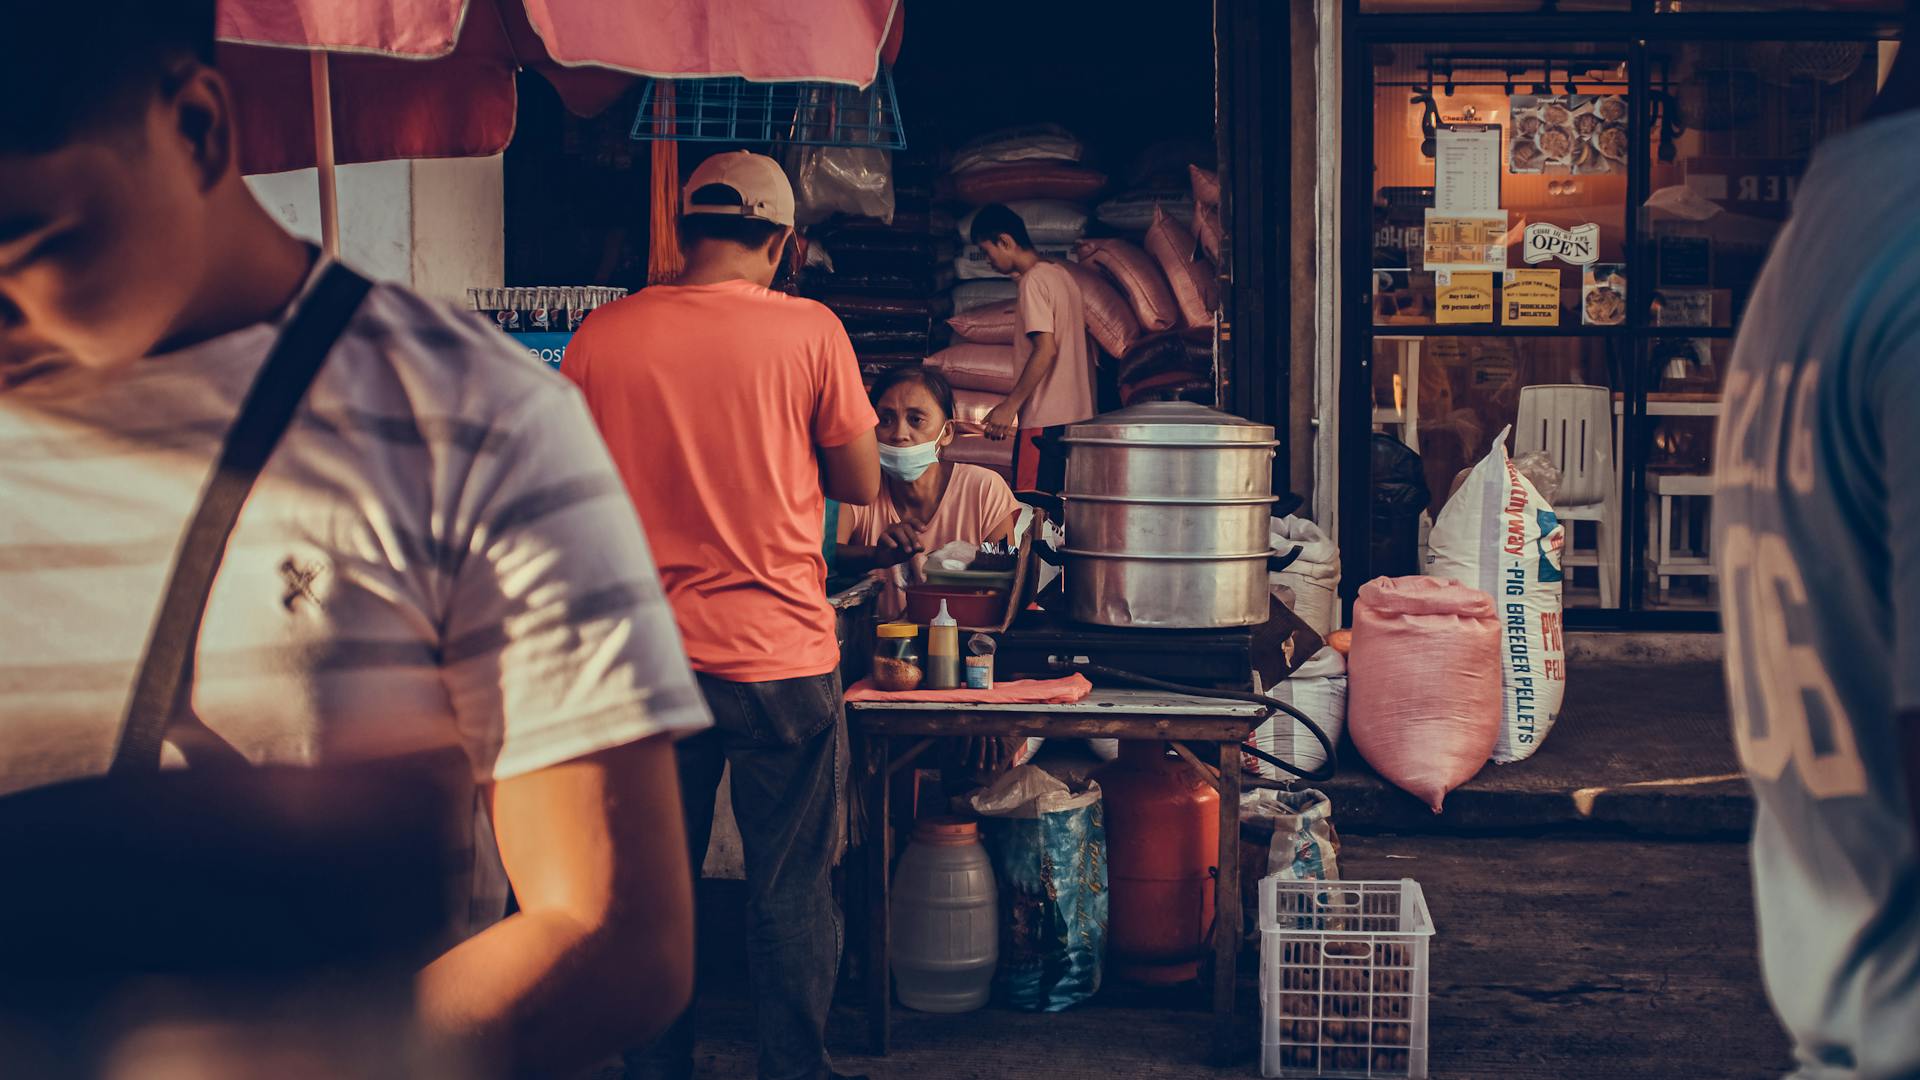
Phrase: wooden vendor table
pixel 1104 714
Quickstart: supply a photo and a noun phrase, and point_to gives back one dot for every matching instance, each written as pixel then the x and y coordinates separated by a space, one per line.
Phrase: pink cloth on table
pixel 1019 692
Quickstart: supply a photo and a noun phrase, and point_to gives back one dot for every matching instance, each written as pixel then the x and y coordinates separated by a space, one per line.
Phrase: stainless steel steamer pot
pixel 1167 506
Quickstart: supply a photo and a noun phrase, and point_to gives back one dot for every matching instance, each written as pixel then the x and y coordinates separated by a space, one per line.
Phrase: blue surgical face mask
pixel 908 462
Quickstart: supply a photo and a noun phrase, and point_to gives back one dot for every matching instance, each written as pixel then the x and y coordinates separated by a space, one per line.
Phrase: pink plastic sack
pixel 1206 185
pixel 994 324
pixel 971 449
pixel 972 407
pixel 1424 683
pixel 1109 317
pixel 1028 180
pixel 1206 225
pixel 1206 210
pixel 1196 288
pixel 975 367
pixel 1139 278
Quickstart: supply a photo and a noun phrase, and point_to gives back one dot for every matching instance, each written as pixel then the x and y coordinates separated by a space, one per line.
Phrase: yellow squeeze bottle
pixel 943 651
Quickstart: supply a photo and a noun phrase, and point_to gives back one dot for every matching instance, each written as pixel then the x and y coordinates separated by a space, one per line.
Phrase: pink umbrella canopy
pixel 435 78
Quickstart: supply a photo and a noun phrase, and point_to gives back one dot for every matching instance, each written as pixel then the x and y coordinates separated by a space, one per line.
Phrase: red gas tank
pixel 1163 843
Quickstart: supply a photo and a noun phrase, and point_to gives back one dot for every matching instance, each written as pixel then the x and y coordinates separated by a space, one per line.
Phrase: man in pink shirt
pixel 1055 387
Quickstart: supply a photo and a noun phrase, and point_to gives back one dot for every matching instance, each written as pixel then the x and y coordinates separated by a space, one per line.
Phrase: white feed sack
pixel 1497 534
pixel 1313 578
pixel 1319 689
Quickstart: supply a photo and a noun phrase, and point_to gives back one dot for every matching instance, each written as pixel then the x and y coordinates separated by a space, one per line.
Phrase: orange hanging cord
pixel 664 260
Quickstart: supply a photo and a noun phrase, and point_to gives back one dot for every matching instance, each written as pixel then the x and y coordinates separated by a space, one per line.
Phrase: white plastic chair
pixel 1676 547
pixel 1573 424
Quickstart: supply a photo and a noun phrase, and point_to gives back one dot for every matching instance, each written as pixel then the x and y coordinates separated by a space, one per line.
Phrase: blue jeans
pixel 782 741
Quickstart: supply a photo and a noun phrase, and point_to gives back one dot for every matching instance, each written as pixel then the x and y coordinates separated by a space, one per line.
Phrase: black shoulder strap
pixel 264 417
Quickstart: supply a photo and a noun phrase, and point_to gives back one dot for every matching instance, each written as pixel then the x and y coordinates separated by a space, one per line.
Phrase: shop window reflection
pixel 1448 396
pixel 1735 125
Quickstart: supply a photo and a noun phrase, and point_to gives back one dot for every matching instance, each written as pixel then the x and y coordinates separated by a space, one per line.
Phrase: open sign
pixel 1577 246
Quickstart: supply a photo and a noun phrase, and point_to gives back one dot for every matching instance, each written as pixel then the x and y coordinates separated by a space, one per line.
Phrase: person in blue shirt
pixel 1817 544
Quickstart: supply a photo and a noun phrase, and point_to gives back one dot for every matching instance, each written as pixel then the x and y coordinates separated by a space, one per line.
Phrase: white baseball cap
pixel 765 194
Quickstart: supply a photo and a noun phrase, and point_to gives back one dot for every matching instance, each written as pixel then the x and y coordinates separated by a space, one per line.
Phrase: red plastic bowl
pixel 969 607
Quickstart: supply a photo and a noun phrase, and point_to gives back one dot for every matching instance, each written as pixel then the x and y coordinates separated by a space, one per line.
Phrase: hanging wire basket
pixel 731 110
pixel 1783 63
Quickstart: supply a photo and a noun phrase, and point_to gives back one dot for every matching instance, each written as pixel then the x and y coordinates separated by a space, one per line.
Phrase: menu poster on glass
pixel 1577 133
pixel 1465 241
pixel 1530 298
pixel 1603 295
pixel 1466 167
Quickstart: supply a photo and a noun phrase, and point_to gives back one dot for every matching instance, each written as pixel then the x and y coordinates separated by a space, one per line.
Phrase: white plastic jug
pixel 946 937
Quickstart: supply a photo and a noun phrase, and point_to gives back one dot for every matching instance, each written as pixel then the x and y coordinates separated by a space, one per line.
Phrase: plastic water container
pixel 946 935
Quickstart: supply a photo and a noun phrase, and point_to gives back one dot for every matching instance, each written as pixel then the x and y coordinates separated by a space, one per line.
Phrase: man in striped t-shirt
pixel 439 556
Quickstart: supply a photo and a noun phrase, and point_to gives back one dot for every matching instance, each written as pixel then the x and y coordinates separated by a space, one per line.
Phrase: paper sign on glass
pixel 1603 295
pixel 1466 168
pixel 1683 307
pixel 1577 246
pixel 1530 298
pixel 1467 298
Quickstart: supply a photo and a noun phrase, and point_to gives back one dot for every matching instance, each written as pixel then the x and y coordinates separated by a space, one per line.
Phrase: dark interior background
pixel 1125 76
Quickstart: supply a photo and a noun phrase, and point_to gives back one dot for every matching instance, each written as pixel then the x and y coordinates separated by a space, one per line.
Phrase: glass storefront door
pixel 1560 239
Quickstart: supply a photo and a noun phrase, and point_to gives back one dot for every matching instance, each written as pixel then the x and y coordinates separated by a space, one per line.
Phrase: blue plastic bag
pixel 1049 851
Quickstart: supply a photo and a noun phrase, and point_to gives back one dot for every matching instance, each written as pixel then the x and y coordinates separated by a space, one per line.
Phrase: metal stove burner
pixel 1213 658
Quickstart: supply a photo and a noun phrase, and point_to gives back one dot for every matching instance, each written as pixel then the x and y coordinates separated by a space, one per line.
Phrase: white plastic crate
pixel 1343 978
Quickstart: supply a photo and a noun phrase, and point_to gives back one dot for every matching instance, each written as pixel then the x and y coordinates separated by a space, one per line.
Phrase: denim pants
pixel 782 741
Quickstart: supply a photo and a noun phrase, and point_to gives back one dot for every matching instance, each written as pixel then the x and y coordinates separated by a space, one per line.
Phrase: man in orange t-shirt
pixel 732 412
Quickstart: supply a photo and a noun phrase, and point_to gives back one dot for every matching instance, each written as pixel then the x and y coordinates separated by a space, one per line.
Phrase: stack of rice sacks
pixel 1167 274
pixel 1149 289
pixel 1038 172
pixel 888 281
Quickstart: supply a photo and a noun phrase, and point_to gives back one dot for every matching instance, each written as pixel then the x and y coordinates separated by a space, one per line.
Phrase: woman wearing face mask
pixel 924 502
